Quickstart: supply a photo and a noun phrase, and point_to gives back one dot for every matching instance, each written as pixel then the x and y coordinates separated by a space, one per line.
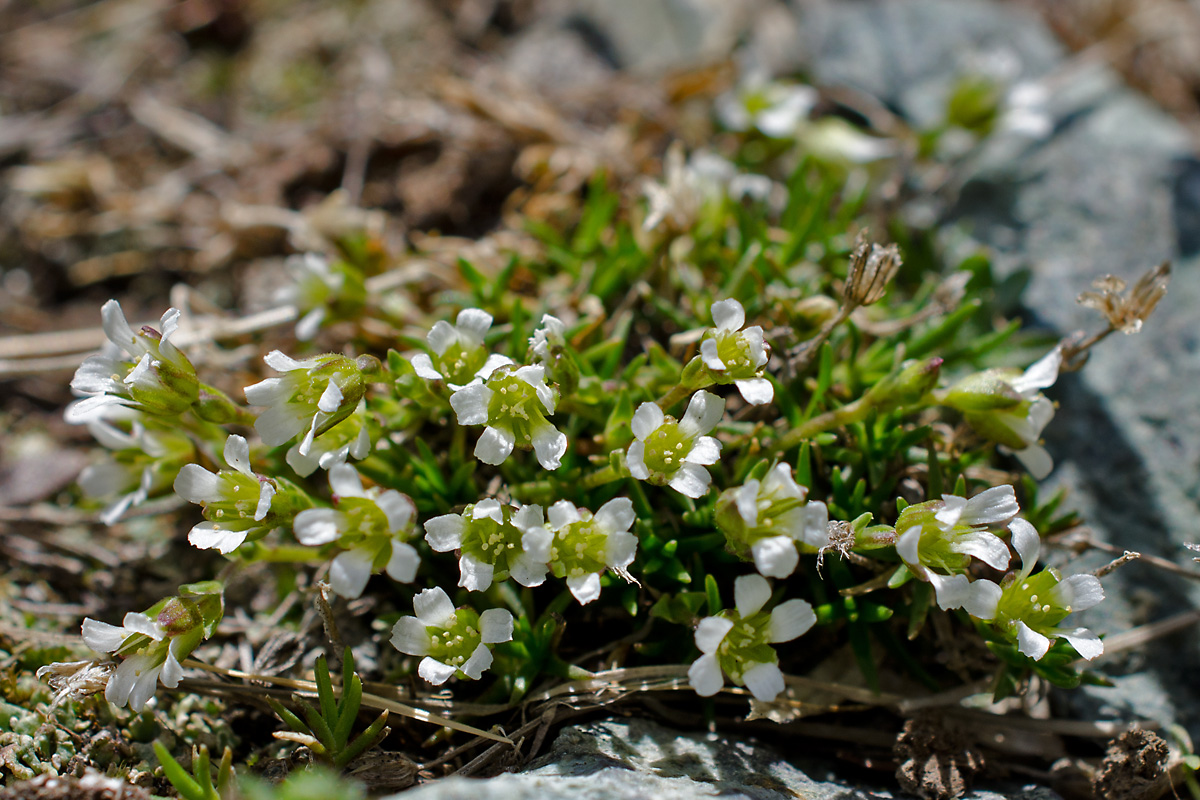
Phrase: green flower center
pixel 666 447
pixel 746 643
pixel 455 643
pixel 578 549
pixel 1029 601
pixel 514 405
pixel 495 543
pixel 734 352
pixel 459 364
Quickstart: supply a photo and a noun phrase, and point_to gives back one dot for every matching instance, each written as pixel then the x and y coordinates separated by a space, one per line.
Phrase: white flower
pixel 140 370
pixel 494 542
pixel 314 394
pixel 459 356
pixel 321 288
pixel 937 539
pixel 673 453
pixel 771 520
pixel 452 641
pixel 551 335
pixel 372 525
pixel 1032 606
pixel 236 502
pixel 736 643
pixel 776 109
pixel 513 403
pixel 585 545
pixel 135 680
pixel 350 438
pixel 735 355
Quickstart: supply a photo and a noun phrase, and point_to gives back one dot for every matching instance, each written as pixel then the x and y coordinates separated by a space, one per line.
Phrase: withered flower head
pixel 871 270
pixel 1126 314
pixel 74 680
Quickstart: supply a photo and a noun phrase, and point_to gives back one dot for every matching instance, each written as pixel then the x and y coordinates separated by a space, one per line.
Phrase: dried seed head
pixel 871 270
pixel 1127 313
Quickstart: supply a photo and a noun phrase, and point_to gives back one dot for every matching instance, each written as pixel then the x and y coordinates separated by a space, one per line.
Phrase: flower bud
pixel 912 382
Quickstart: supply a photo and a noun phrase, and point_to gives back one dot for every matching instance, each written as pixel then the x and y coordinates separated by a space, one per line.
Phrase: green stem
pixel 602 476
pixel 835 418
pixel 288 553
pixel 674 396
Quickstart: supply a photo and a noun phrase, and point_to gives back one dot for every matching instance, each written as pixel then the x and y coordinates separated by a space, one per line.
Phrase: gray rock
pixel 1113 188
pixel 637 759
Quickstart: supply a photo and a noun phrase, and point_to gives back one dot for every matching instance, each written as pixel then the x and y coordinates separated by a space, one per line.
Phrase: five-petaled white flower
pixel 314 394
pixel 459 356
pixel 372 526
pixel 1031 607
pixel 142 370
pixel 137 676
pixel 673 453
pixel 350 438
pixel 738 643
pixel 737 356
pixel 771 521
pixel 777 109
pixel 452 641
pixel 237 502
pixel 513 402
pixel 585 545
pixel 937 539
pixel 494 542
pixel 322 289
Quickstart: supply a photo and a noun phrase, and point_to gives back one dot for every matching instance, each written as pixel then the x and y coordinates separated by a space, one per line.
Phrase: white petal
pixel 441 336
pixel 101 636
pixel 117 329
pixel 344 480
pixel 445 533
pixel 433 607
pixel 479 660
pixel 398 509
pixel 991 506
pixel 706 450
pixel 495 445
pixel 279 425
pixel 350 571
pixel 143 688
pixel 710 356
pixel 309 324
pixel 616 515
pixel 789 620
pixel 982 599
pixel 951 590
pixel 750 594
pixel 423 365
pixel 536 542
pixel 1043 373
pixel 172 671
pixel 265 493
pixel 528 571
pixel 908 546
pixel 494 362
pixel 952 509
pixel 470 404
pixel 362 444
pixel 746 499
pixel 586 588
pixel 473 574
pixel 987 547
pixel 635 460
pixel 280 362
pixel 403 563
pixel 620 551
pixel 210 536
pixel 1026 542
pixel 409 636
pixel 776 556
pixel 90 409
pixel 197 485
pixel 1086 643
pixel 141 371
pixel 1079 592
pixel 1036 459
pixel 95 375
pixel 690 480
pixel 1030 642
pixel 756 391
pixel 705 676
pixel 474 321
pixel 237 454
pixel 710 632
pixel 121 682
pixel 752 337
pixel 535 377
pixel 728 315
pixel 765 681
pixel 815 526
pixel 549 445
pixel 495 625
pixel 529 517
pixel 435 672
pixel 704 411
pixel 562 514
pixel 646 420
pixel 331 398
pixel 317 526
pixel 491 509
pixel 269 392
pixel 143 624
